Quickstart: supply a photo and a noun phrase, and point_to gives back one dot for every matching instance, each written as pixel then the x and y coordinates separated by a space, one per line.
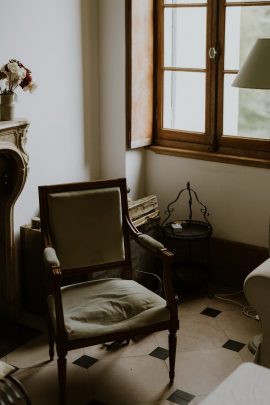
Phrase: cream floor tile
pixel 143 346
pixel 197 332
pixel 199 372
pixel 229 303
pixel 192 306
pixel 130 380
pixel 200 332
pixel 160 402
pixel 41 384
pixel 238 326
pixel 197 400
pixel 162 338
pixel 195 306
pixel 36 352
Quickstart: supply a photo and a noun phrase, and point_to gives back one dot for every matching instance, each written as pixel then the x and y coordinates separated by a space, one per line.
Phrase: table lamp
pixel 255 72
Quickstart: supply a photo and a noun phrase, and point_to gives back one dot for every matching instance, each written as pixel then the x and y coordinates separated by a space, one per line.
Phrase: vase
pixel 7 107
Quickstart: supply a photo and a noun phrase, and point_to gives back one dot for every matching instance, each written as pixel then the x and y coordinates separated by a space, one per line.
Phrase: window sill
pixel 211 156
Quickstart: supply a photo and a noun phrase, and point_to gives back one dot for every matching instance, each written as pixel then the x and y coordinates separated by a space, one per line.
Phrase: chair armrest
pixel 150 243
pixel 52 265
pixel 166 257
pixel 54 284
pixel 50 257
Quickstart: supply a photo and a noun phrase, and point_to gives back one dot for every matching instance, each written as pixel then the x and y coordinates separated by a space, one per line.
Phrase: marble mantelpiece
pixel 13 174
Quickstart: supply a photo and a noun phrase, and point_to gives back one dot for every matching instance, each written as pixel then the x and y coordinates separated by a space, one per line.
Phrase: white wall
pixel 135 172
pixel 112 87
pixel 237 197
pixel 47 37
pixel 115 161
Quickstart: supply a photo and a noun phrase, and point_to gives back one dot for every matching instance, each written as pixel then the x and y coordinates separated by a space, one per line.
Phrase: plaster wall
pixel 237 197
pixel 112 87
pixel 51 38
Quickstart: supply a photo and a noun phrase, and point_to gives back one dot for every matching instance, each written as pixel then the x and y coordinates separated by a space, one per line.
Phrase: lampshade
pixel 255 72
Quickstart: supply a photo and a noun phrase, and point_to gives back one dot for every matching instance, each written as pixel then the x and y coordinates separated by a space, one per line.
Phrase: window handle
pixel 213 53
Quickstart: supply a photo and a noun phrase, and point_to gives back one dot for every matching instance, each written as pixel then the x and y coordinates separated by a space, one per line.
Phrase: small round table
pixel 188 240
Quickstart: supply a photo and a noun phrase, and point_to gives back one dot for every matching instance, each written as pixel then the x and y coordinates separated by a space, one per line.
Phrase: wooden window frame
pixel 252 150
pixel 172 137
pixel 212 145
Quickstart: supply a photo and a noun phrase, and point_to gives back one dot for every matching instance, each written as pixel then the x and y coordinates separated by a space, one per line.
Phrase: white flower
pixel 17 72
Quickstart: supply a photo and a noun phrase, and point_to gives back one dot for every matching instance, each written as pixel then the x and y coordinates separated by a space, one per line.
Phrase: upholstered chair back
pixel 81 239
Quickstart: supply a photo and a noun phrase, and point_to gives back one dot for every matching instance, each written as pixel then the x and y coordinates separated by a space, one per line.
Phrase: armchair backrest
pixel 85 222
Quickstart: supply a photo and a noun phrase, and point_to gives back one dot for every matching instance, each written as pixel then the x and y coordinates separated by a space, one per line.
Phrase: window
pixel 200 47
pixel 182 56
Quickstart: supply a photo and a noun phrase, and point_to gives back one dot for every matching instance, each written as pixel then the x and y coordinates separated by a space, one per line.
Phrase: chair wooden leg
pixel 51 339
pixel 62 375
pixel 172 354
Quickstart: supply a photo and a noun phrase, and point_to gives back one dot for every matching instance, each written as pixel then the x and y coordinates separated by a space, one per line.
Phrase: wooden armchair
pixel 86 228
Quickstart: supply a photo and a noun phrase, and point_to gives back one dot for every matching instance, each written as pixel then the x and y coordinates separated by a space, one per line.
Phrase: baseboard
pixel 230 262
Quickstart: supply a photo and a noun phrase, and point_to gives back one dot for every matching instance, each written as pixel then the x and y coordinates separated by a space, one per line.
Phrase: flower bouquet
pixel 13 75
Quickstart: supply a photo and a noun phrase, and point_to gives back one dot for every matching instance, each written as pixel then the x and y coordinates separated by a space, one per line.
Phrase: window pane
pixel 185 46
pixel 245 111
pixel 184 101
pixel 243 26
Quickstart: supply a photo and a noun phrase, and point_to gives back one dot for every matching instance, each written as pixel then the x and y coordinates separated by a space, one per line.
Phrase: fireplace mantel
pixel 13 174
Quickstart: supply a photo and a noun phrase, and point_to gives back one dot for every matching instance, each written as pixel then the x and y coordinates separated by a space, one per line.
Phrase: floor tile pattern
pixel 85 361
pixel 211 312
pixel 180 397
pixel 160 353
pixel 212 342
pixel 233 345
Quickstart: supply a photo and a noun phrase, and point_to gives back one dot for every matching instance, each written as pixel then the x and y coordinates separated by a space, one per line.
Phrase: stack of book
pixel 143 210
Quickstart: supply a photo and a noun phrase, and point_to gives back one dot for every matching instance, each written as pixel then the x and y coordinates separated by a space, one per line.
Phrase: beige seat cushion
pixel 106 306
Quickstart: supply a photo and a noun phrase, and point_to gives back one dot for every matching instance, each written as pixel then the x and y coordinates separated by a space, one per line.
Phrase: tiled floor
pixel 212 342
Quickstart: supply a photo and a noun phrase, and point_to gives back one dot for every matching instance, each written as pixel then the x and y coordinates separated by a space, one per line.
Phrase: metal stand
pixel 186 234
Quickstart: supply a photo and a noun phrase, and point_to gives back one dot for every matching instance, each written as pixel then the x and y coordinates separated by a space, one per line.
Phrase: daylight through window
pixel 200 47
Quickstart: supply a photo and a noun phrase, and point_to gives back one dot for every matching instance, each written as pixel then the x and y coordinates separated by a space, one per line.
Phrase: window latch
pixel 213 53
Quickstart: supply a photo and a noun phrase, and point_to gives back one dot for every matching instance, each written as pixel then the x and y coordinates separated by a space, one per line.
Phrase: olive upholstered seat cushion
pixel 94 308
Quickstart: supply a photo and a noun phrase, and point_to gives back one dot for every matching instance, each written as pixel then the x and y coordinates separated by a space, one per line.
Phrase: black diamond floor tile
pixel 211 312
pixel 180 397
pixel 85 361
pixel 160 353
pixel 233 345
